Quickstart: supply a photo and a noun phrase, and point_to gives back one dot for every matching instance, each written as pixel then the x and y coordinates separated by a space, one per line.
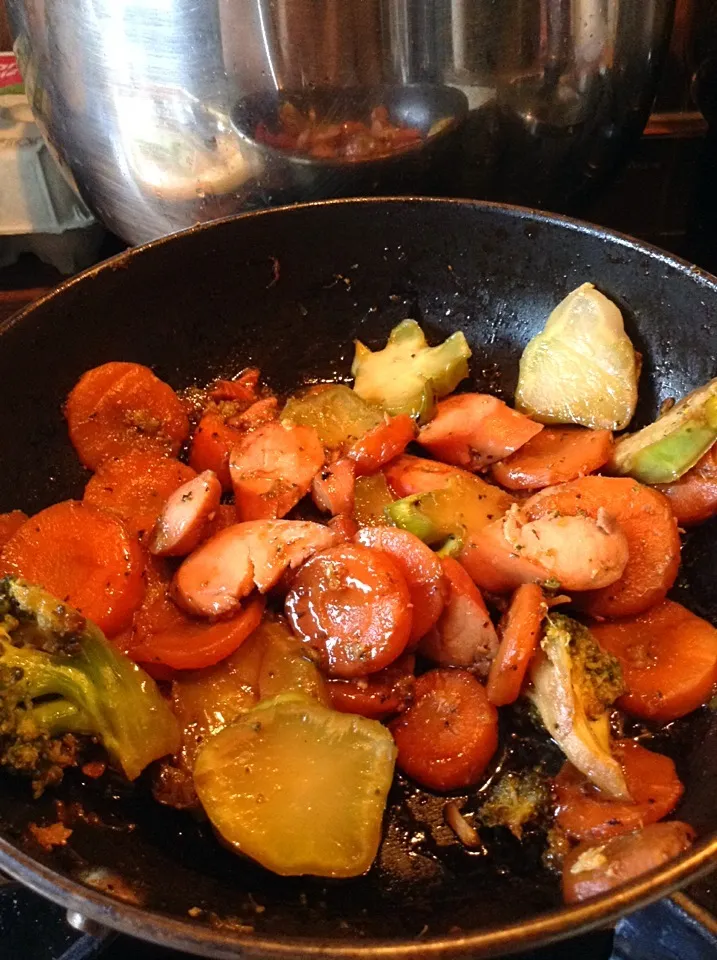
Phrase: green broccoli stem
pixel 98 691
pixel 57 717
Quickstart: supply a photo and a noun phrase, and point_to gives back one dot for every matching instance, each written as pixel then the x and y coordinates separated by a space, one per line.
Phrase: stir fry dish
pixel 269 605
pixel 345 140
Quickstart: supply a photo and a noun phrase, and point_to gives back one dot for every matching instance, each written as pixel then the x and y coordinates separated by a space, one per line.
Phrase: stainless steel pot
pixel 140 98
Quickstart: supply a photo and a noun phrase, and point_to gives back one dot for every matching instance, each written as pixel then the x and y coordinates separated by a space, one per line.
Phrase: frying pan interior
pixel 288 291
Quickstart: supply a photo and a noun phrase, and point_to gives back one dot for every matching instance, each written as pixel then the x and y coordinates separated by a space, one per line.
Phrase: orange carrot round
pixel 164 634
pixel 694 496
pixel 9 523
pixel 211 445
pixel 586 813
pixel 646 518
pixel 244 389
pixel 135 487
pixel 668 658
pixel 352 606
pixel 344 527
pixel 421 568
pixel 379 695
pixel 226 516
pixel 519 632
pixel 382 443
pixel 449 733
pixel 119 407
pixel 555 455
pixel 83 556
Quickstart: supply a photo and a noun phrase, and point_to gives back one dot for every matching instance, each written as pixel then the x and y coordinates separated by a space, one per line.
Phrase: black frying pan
pixel 288 290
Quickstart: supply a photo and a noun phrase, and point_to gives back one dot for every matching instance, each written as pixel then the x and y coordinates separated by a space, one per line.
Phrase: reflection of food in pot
pixel 177 168
pixel 352 140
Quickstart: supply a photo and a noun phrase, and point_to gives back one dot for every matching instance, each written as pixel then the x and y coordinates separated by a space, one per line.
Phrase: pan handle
pixel 671 929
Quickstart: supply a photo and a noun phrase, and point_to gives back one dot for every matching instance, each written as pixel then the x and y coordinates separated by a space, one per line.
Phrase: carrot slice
pixel 272 468
pixel 669 660
pixel 555 455
pixel 84 557
pixel 135 487
pixel 585 813
pixel 519 632
pixel 464 635
pixel 473 430
pixel 382 443
pixel 694 496
pixel 449 733
pixel 164 634
pixel 119 407
pixel 422 571
pixel 243 389
pixel 379 695
pixel 352 606
pixel 9 523
pixel 333 487
pixel 187 517
pixel 645 517
pixel 212 442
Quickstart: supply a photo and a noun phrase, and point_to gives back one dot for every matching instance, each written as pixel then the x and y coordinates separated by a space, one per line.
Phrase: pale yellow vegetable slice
pixel 335 411
pixel 372 495
pixel 269 662
pixel 582 368
pixel 298 787
pixel 285 668
pixel 408 376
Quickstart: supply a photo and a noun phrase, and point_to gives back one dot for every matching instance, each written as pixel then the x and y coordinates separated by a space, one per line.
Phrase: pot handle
pixel 671 929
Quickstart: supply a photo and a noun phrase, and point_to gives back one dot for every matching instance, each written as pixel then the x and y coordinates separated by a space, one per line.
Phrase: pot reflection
pixel 139 99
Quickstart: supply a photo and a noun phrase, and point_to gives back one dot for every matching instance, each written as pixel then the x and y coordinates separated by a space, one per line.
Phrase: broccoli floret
pixel 516 799
pixel 596 674
pixel 408 376
pixel 574 681
pixel 60 679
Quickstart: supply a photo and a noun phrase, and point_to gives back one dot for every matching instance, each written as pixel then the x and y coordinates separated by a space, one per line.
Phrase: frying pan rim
pixel 191 936
pixel 120 260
